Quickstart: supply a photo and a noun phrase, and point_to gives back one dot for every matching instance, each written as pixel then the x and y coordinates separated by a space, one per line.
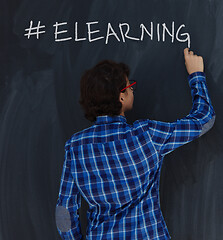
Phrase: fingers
pixel 190 53
pixel 187 52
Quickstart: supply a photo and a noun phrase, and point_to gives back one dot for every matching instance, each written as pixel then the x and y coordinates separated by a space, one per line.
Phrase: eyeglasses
pixel 132 85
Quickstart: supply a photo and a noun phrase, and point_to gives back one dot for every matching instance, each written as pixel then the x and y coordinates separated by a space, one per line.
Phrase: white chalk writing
pixel 93 32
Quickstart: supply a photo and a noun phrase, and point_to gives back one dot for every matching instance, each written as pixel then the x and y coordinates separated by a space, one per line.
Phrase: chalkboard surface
pixel 46 47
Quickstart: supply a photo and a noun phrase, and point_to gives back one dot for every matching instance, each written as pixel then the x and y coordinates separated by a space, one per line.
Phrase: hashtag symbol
pixel 37 32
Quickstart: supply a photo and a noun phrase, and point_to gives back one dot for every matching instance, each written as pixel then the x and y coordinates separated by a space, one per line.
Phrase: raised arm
pixel 169 136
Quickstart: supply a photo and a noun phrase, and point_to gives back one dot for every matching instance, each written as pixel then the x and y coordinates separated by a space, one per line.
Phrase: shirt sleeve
pixel 169 136
pixel 68 203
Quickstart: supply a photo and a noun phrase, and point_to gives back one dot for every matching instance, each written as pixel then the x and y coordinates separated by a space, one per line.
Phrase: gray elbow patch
pixel 63 220
pixel 207 126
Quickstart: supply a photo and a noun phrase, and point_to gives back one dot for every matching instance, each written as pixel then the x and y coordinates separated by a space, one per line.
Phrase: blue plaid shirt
pixel 116 167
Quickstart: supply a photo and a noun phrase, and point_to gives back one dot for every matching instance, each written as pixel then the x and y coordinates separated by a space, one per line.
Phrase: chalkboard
pixel 46 47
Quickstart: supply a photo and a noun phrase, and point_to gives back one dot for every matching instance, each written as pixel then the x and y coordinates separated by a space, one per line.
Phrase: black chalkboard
pixel 40 88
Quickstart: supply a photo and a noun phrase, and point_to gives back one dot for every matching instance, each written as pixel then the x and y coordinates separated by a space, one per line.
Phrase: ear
pixel 121 97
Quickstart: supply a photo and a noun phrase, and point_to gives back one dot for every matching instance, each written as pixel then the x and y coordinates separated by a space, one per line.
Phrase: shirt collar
pixel 110 119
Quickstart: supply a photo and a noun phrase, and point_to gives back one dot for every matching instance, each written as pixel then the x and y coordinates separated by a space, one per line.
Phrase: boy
pixel 116 166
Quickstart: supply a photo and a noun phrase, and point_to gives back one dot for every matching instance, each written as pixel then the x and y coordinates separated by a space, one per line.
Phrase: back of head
pixel 100 88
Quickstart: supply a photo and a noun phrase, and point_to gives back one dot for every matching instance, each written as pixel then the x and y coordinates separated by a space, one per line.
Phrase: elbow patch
pixel 63 220
pixel 207 126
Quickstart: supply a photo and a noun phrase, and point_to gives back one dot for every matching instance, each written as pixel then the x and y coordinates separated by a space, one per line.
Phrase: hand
pixel 193 62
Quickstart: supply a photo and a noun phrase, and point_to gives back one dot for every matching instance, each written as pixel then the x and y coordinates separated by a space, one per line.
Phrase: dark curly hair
pixel 100 88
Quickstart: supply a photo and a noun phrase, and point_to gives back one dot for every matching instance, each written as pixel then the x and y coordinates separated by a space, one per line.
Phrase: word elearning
pixel 123 31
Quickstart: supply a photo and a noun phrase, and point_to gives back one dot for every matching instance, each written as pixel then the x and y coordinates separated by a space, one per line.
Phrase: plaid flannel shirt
pixel 116 168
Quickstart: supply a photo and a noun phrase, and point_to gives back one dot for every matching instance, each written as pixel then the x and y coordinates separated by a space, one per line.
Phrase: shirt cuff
pixel 196 76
